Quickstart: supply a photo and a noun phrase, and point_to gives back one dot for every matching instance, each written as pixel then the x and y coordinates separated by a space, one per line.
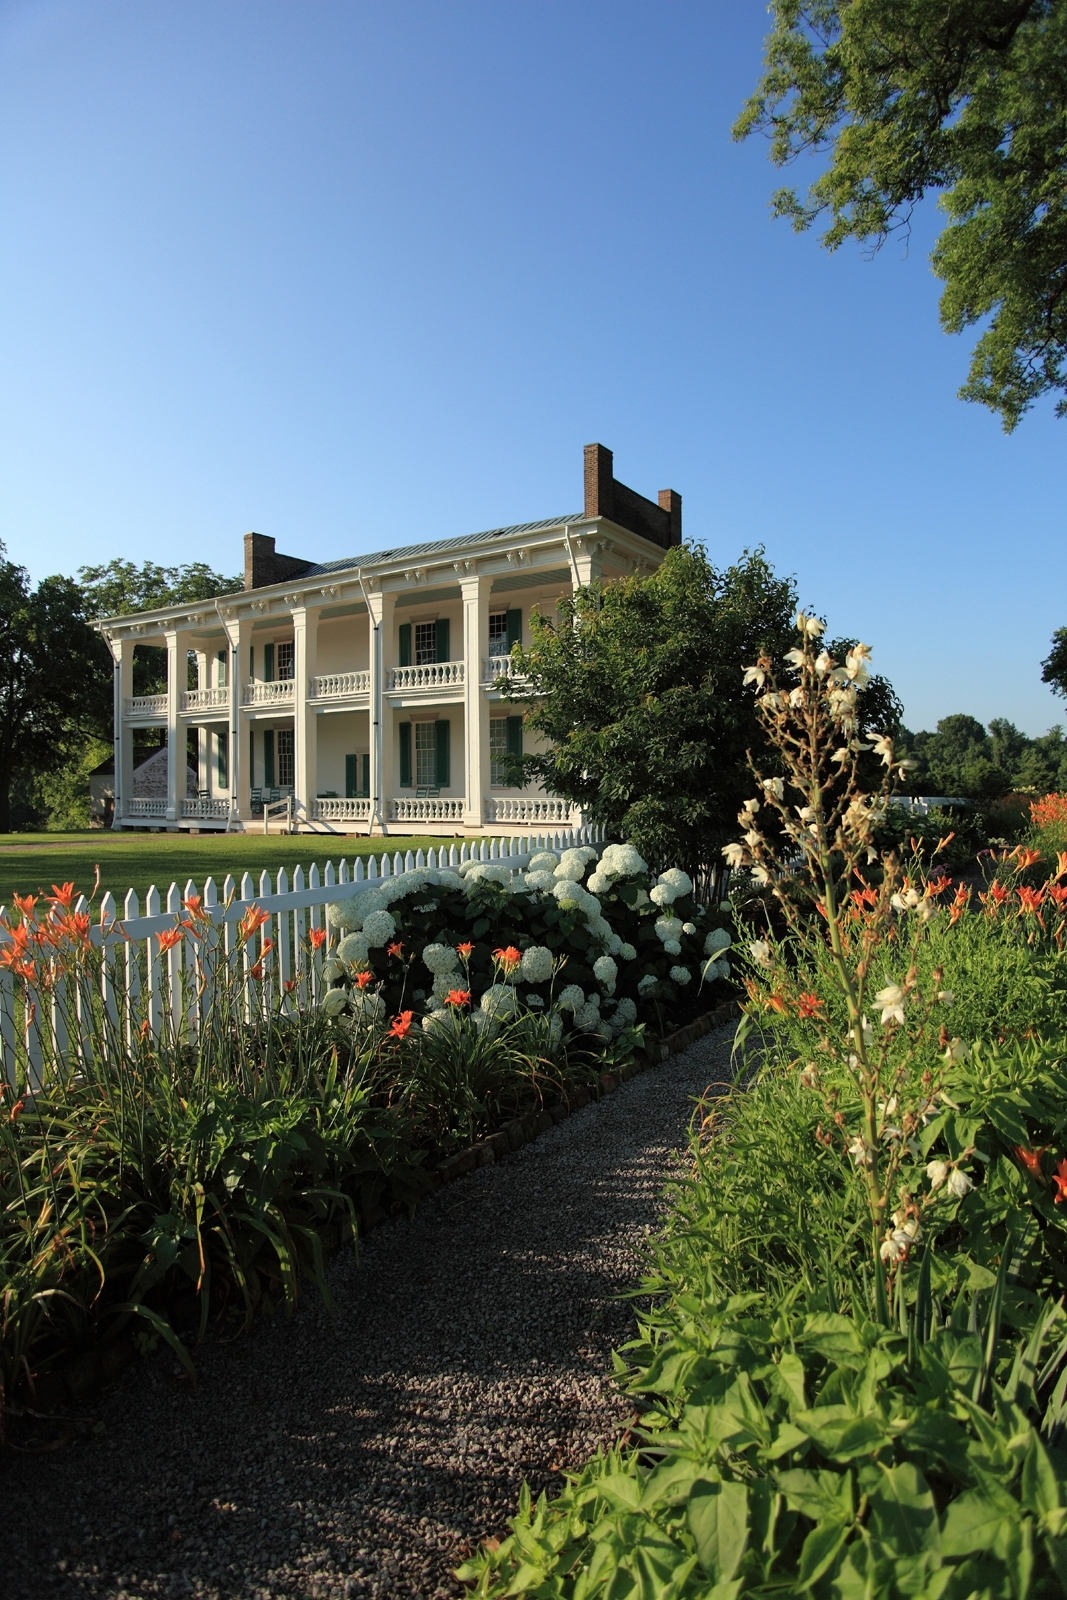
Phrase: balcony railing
pixel 426 810
pixel 435 675
pixel 146 808
pixel 495 667
pixel 207 809
pixel 340 685
pixel 527 809
pixel 340 810
pixel 279 693
pixel 145 705
pixel 205 699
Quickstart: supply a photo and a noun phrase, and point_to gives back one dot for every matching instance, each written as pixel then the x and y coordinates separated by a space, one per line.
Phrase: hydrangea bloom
pixel 442 1018
pixel 600 928
pixel 681 974
pixel 672 947
pixel 669 928
pixel 341 915
pixel 572 863
pixel 689 927
pixel 500 1000
pixel 605 971
pixel 627 952
pixel 600 882
pixel 543 861
pixel 717 939
pixel 588 1016
pixel 443 984
pixel 334 1001
pixel 662 895
pixel 625 1014
pixel 440 958
pixel 646 983
pixel 534 1001
pixel 539 880
pixel 571 998
pixel 378 928
pixel 716 969
pixel 536 964
pixel 354 949
pixel 622 861
pixel 566 889
pixel 678 880
pixel 487 872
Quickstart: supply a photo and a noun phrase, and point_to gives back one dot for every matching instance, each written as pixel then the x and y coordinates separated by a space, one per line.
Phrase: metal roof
pixel 321 568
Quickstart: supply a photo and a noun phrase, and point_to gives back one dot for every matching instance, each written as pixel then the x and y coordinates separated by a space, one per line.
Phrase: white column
pixel 475 593
pixel 384 650
pixel 238 636
pixel 203 735
pixel 305 720
pixel 122 652
pixel 177 757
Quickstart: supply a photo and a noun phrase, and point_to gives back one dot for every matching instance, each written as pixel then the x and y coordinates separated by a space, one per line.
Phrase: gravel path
pixel 366 1454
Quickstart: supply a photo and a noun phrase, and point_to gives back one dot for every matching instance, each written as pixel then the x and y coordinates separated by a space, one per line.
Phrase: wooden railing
pixel 145 705
pixel 435 675
pixel 269 694
pixel 205 699
pixel 146 808
pixel 403 809
pixel 539 809
pixel 338 810
pixel 207 807
pixel 340 685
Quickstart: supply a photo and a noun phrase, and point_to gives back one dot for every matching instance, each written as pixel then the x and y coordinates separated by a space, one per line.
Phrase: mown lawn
pixel 32 861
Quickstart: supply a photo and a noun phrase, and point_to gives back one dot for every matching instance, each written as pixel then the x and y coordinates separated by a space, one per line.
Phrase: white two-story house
pixel 367 691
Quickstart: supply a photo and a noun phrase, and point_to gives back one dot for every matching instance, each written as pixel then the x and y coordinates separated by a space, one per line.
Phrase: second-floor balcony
pixel 340 686
pixel 205 699
pixel 139 706
pixel 433 675
pixel 279 693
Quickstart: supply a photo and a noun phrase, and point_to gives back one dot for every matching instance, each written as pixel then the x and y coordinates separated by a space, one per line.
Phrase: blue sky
pixel 356 274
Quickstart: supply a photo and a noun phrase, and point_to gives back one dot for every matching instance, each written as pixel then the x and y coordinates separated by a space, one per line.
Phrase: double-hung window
pixel 285 757
pixel 425 643
pixel 425 754
pixel 498 633
pixel 285 658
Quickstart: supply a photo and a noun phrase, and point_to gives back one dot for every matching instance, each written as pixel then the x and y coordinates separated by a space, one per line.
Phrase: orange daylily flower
pixel 16 1110
pixel 509 959
pixel 170 937
pixel 464 950
pixel 1059 1178
pixel 193 903
pixel 457 997
pixel 252 921
pixel 257 971
pixel 1050 808
pixel 1031 1159
pixel 776 1002
pixel 809 1005
pixel 364 978
pixel 395 948
pixel 317 936
pixel 290 984
pixel 960 903
pixel 401 1025
pixel 1061 864
pixel 25 903
pixel 62 894
pixel 1025 857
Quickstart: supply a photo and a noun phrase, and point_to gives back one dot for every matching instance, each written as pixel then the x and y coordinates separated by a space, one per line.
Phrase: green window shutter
pixel 365 790
pixel 441 730
pixel 222 669
pixel 268 759
pixel 405 644
pixel 442 639
pixel 223 762
pixel 251 662
pixel 514 628
pixel 268 663
pixel 515 738
pixel 350 778
pixel 251 758
pixel 405 745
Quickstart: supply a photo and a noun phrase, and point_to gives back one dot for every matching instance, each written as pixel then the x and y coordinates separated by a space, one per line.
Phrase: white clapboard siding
pixel 178 980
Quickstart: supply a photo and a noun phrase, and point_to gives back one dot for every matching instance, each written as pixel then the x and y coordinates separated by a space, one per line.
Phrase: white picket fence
pixel 142 984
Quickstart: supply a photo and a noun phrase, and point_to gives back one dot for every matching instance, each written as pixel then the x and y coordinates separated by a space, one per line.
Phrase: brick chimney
pixel 264 565
pixel 605 496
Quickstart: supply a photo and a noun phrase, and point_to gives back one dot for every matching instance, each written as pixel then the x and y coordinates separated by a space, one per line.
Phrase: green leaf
pixel 821 1549
pixel 621 1489
pixel 974 1521
pixel 1039 1487
pixel 717 1514
pixel 831 1335
pixel 903 1517
pixel 817 1494
pixel 481 926
pixel 841 1435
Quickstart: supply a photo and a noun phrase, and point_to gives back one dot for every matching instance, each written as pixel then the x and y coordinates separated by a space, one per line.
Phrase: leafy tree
pixel 1054 666
pixel 962 97
pixel 119 587
pixel 55 677
pixel 638 687
pixel 958 759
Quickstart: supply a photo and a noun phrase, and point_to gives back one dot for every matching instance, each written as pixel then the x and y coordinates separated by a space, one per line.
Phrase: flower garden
pixel 850 1373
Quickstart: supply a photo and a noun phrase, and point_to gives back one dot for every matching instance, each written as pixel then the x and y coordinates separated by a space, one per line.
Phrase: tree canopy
pixel 961 757
pixel 638 688
pixel 964 98
pixel 55 677
pixel 119 587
